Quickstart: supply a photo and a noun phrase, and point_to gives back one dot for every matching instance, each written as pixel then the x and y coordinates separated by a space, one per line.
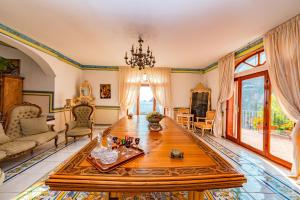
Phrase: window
pixel 145 102
pixel 253 61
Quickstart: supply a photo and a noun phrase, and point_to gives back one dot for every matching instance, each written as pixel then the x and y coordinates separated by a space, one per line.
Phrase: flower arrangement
pixel 154 117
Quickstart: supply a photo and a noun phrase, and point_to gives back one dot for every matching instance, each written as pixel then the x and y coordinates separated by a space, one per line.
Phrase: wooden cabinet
pixel 11 88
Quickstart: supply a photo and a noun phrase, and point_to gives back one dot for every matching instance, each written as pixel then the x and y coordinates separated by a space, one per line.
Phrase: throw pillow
pixel 34 126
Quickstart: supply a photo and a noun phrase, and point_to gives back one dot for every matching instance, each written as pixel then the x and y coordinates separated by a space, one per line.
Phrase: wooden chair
pixel 207 124
pixel 184 118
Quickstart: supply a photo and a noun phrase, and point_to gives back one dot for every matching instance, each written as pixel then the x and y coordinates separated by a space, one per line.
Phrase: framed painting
pixel 105 91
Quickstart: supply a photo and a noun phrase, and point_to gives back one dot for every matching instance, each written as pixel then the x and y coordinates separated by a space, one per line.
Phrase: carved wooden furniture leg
pixel 114 196
pixel 55 141
pixel 195 195
pixel 66 139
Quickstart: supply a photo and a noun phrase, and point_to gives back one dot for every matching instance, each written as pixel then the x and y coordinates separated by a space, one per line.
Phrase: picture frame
pixel 105 91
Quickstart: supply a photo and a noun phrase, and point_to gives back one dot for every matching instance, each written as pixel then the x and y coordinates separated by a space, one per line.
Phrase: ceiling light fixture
pixel 138 58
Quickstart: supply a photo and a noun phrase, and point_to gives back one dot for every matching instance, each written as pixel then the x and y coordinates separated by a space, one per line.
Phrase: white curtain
pixel 226 84
pixel 129 86
pixel 282 46
pixel 160 84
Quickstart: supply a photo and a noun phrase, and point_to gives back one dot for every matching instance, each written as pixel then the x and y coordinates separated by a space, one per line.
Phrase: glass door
pixel 252 104
pixel 280 138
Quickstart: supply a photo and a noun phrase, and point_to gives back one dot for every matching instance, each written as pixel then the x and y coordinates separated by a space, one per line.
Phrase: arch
pixel 254 60
pixel 32 53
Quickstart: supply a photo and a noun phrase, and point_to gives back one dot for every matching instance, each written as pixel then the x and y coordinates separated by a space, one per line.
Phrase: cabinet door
pixel 12 92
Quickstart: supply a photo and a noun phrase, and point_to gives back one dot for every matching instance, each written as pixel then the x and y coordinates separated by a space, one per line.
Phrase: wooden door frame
pixel 266 123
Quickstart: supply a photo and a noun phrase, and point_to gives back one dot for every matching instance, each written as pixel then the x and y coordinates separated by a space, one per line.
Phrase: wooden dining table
pixel 200 169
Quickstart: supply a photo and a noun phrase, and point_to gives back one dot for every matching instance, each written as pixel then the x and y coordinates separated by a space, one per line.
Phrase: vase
pixel 154 124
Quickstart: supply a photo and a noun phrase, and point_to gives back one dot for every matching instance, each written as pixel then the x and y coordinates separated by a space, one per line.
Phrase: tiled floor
pixel 265 180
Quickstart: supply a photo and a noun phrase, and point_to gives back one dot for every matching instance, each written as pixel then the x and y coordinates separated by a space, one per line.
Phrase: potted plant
pixel 154 118
pixel 6 65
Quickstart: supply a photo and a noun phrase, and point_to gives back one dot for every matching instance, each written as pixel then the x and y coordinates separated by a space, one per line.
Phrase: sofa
pixel 25 129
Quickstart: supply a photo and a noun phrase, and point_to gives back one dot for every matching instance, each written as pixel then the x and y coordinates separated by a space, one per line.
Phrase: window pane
pixel 253 60
pixel 159 108
pixel 132 110
pixel 280 134
pixel 262 58
pixel 146 100
pixel 242 67
pixel 253 112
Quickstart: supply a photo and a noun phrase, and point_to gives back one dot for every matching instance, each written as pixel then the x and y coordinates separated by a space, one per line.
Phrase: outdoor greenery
pixel 279 121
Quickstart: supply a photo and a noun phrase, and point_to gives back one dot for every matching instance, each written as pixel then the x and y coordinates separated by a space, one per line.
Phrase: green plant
pixel 5 64
pixel 153 115
pixel 257 122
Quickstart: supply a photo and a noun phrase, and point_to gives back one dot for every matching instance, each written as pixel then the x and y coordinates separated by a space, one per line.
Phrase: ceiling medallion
pixel 140 59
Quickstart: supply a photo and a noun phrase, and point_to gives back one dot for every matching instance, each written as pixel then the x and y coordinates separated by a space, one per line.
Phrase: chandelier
pixel 138 58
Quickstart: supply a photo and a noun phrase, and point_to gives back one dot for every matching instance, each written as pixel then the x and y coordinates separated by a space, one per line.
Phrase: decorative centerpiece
pixel 154 118
pixel 176 154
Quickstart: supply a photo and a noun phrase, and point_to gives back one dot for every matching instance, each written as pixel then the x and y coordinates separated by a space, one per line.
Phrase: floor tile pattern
pixel 262 182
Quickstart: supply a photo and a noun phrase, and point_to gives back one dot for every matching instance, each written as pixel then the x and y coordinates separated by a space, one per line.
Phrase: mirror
pixel 85 89
pixel 85 96
pixel 200 101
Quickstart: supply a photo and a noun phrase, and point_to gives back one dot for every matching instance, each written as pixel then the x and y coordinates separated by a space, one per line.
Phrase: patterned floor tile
pixel 262 196
pixel 261 183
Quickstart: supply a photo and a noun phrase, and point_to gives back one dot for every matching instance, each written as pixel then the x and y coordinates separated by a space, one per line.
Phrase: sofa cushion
pixel 13 129
pixel 79 131
pixel 3 138
pixel 2 154
pixel 15 147
pixel 34 126
pixel 39 138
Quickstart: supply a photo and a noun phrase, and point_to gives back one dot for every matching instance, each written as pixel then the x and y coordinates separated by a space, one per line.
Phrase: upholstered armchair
pixel 82 125
pixel 207 124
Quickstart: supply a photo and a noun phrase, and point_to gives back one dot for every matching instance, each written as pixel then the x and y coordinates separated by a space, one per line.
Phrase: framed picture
pixel 105 91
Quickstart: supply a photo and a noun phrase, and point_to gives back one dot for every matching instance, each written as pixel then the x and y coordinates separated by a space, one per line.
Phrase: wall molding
pixel 52 109
pixel 50 94
pixel 5 30
pixel 252 46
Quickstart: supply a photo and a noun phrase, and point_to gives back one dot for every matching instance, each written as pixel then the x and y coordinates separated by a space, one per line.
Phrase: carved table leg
pixel 196 195
pixel 114 196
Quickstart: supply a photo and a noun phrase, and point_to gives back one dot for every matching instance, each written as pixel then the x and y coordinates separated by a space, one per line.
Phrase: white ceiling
pixel 182 33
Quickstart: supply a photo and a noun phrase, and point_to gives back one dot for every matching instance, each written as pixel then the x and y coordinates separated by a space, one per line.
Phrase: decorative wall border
pixel 37 45
pixel 116 68
pixel 50 94
pixel 252 46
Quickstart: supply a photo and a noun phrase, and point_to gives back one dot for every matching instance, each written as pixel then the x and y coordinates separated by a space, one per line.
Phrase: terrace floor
pixel 280 146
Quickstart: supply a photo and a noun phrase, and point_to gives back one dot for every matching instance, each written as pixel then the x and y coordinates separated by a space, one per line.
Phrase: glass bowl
pixel 107 157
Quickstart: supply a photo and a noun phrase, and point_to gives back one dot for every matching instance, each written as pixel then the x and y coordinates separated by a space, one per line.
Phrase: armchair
pixel 82 125
pixel 207 124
